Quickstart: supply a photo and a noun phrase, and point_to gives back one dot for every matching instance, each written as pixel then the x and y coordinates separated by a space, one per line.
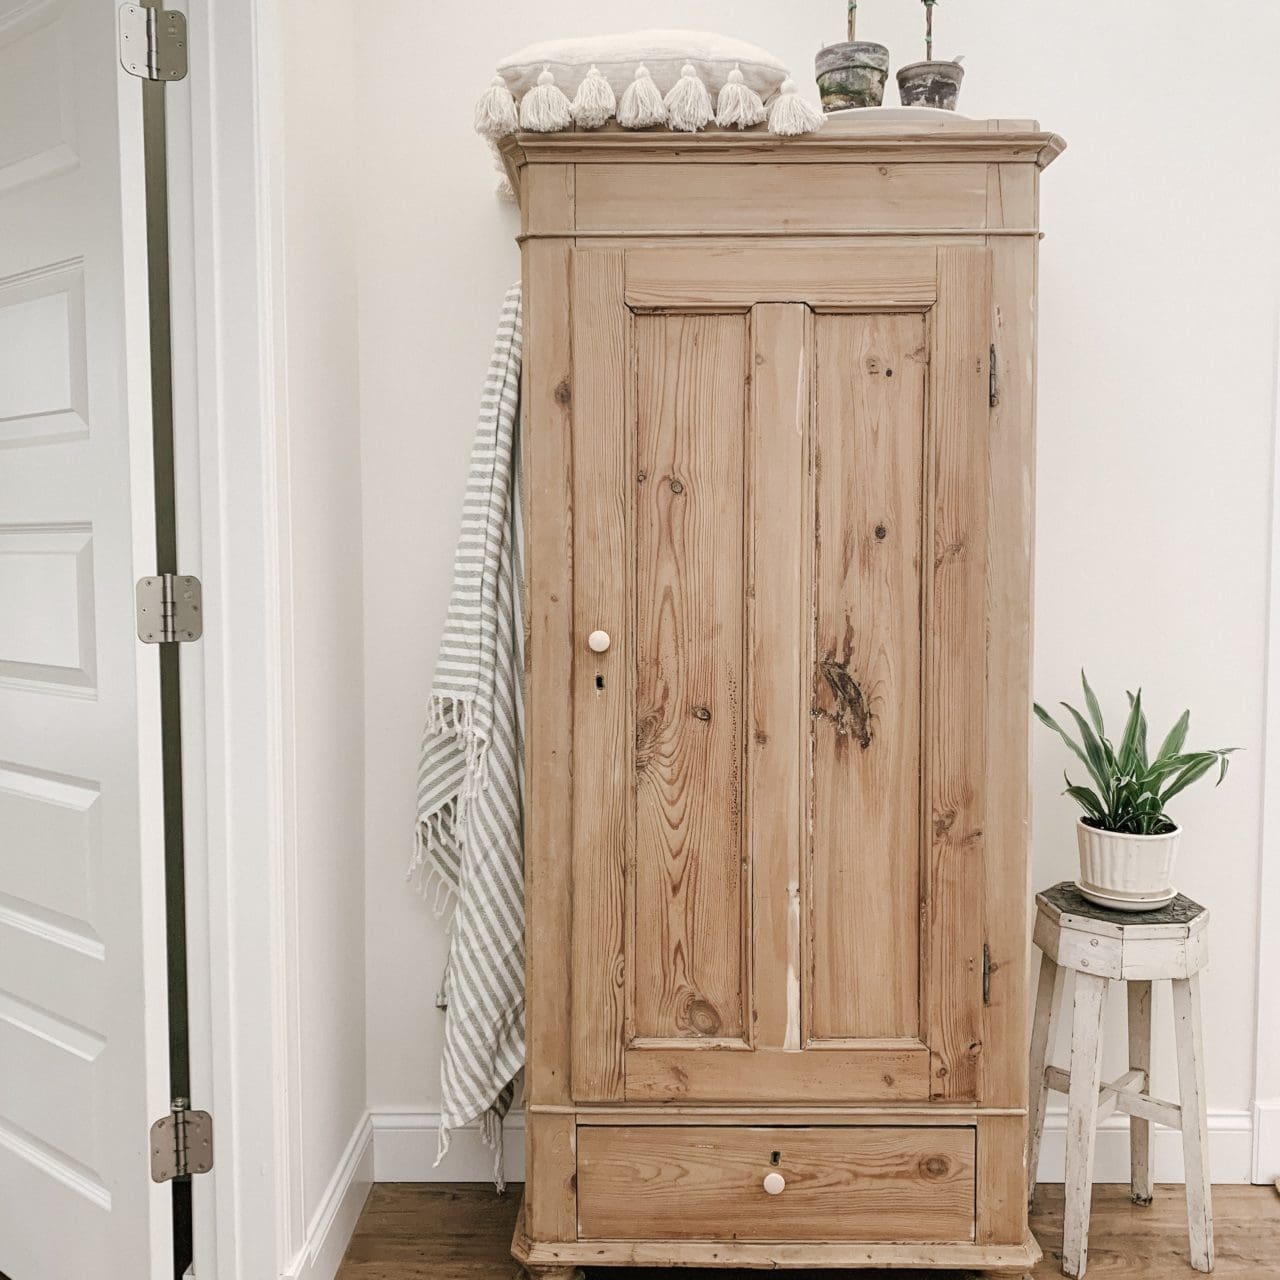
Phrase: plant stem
pixel 928 31
pixel 853 19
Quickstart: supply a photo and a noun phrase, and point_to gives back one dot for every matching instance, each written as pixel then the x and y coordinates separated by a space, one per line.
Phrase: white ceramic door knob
pixel 774 1183
pixel 598 641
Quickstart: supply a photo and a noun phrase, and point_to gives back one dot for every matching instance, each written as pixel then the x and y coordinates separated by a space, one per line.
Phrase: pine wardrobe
pixel 778 451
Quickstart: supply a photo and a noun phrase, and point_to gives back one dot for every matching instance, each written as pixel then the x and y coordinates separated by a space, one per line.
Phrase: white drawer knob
pixel 598 641
pixel 774 1183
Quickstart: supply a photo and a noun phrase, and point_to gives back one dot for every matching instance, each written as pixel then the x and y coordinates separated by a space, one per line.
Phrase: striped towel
pixel 468 833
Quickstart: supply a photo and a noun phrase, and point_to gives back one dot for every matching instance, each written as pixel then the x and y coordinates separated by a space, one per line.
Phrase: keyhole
pixel 776 1158
pixel 599 682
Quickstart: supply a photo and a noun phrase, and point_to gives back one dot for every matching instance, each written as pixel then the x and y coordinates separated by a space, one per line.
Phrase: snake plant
pixel 1131 787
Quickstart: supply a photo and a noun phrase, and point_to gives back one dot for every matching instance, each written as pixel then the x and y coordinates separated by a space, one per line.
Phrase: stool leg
pixel 1195 1125
pixel 1082 1118
pixel 1140 1060
pixel 1047 994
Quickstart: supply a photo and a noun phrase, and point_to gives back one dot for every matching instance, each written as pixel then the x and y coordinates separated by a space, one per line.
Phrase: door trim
pixel 225 168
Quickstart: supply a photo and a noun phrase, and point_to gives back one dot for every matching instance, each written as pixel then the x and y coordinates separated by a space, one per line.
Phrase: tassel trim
pixel 545 109
pixel 790 114
pixel 594 103
pixel 496 111
pixel 688 104
pixel 641 106
pixel 738 103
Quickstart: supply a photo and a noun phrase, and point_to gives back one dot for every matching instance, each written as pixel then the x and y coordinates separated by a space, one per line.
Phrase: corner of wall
pixel 1266 1140
pixel 329 1231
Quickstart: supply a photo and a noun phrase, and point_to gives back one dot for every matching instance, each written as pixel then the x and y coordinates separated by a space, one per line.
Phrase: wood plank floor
pixel 462 1231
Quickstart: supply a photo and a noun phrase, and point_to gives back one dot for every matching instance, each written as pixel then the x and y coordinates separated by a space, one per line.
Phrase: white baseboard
pixel 330 1228
pixel 404 1144
pixel 1230 1149
pixel 1266 1140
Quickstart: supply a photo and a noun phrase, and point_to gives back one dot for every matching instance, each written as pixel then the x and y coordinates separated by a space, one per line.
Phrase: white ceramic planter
pixel 1135 868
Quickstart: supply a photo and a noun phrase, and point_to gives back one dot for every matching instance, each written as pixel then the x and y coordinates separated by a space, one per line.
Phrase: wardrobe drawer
pixel 694 1182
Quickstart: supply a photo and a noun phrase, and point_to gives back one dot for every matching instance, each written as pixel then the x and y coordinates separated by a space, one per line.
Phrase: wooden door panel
pixel 602 732
pixel 778 761
pixel 687 909
pixel 863 883
pixel 955 728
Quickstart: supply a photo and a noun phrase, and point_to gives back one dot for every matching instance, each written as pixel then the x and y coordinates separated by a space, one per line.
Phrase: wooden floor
pixel 461 1231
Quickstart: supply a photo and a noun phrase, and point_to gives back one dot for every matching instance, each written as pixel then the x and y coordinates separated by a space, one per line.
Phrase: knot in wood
pixel 562 393
pixel 703 1017
pixel 701 713
pixel 881 532
pixel 935 1166
pixel 677 486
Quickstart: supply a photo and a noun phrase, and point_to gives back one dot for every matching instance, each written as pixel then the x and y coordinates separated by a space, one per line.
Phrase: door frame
pixel 225 169
pixel 1266 1082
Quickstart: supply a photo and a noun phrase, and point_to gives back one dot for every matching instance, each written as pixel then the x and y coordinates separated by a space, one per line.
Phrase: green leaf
pixel 1177 736
pixel 1047 719
pixel 1085 798
pixel 1096 758
pixel 1193 772
pixel 1128 754
pixel 1091 701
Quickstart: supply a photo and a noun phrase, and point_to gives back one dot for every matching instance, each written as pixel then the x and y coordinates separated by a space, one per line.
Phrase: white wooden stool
pixel 1136 947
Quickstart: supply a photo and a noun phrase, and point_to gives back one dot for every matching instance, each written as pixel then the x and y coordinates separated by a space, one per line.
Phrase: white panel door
pixel 83 1066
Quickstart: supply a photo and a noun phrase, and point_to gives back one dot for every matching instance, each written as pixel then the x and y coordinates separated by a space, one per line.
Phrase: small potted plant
pixel 852 73
pixel 1127 839
pixel 929 83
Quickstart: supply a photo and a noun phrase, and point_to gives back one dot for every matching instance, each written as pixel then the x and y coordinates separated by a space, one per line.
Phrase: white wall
pixel 1159 288
pixel 320 514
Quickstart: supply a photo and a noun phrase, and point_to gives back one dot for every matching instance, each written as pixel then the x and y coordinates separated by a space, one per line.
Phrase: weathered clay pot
pixel 851 74
pixel 930 84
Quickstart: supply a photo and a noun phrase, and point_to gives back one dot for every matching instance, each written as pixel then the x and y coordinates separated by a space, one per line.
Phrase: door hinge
pixel 169 609
pixel 181 1143
pixel 986 974
pixel 993 387
pixel 153 42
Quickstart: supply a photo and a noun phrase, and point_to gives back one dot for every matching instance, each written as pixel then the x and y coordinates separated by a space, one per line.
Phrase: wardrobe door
pixel 779 673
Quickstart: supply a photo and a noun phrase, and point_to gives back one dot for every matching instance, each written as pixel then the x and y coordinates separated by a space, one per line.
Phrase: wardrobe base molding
pixel 543 1257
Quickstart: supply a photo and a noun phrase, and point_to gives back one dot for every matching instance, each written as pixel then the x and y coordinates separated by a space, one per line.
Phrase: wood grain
pixel 1082 1120
pixel 551 1159
pixel 777 727
pixel 1001 1198
pixel 547 452
pixel 687 962
pixel 602 732
pixel 446 1231
pixel 1012 201
pixel 548 207
pixel 639 196
pixel 848 141
pixel 1139 1035
pixel 955 703
pixel 903 278
pixel 548 487
pixel 879 1071
pixel 841 1184
pixel 1189 1036
pixel 863 883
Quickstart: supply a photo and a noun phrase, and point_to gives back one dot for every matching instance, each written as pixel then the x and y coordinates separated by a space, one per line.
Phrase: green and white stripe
pixel 468 837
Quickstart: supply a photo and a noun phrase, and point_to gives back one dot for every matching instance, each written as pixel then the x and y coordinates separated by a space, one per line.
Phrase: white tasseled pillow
pixel 664 53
